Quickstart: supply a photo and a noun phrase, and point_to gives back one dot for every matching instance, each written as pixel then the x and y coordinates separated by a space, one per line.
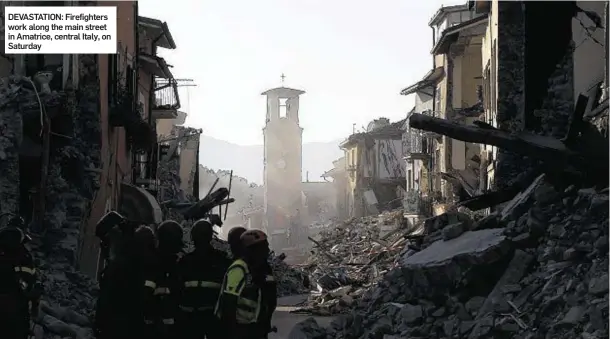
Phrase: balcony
pixel 167 100
pixel 418 145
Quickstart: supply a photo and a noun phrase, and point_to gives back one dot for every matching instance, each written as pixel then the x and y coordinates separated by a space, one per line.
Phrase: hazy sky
pixel 351 57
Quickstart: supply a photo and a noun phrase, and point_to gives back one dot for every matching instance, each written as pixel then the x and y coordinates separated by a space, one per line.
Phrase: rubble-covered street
pixel 535 270
pixel 477 207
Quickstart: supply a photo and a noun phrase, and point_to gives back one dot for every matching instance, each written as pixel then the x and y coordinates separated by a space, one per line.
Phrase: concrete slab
pixel 442 266
pixel 472 246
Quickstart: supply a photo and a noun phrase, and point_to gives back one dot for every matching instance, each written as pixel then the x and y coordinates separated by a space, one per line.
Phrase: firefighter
pixel 269 287
pixel 18 294
pixel 240 307
pixel 125 305
pixel 201 273
pixel 145 244
pixel 170 251
pixel 233 238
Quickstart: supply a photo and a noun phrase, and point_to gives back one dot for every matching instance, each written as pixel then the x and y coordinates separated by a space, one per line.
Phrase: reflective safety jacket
pixel 201 274
pixel 239 282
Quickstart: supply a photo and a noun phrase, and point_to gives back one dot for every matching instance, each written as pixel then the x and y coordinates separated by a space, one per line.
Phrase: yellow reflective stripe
pixel 24 269
pixel 248 302
pixel 248 310
pixel 162 290
pixel 150 284
pixel 269 278
pixel 245 317
pixel 208 284
pixel 168 321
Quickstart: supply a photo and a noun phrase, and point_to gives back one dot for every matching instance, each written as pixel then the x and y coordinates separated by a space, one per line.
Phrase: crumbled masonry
pixel 541 267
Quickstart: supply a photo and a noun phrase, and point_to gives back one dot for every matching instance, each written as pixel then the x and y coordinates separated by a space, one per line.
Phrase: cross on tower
pixel 283 77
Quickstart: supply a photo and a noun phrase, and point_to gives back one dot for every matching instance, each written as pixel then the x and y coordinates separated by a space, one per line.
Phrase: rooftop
pixel 444 10
pixel 159 30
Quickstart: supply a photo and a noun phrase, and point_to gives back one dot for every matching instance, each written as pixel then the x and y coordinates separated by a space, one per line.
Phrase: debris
pixel 536 271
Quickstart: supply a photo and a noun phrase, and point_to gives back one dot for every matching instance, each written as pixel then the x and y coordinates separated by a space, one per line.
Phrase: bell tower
pixel 283 159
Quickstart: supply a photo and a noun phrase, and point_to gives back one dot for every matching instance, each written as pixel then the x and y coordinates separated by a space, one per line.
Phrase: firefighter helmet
pixel 145 237
pixel 170 231
pixel 253 237
pixel 202 229
pixel 234 235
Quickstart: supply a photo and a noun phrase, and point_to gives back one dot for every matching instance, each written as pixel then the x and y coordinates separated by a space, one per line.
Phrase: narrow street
pixel 285 321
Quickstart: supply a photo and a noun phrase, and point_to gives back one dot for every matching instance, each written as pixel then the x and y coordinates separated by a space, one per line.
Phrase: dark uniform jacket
pixel 126 302
pixel 17 278
pixel 201 273
pixel 167 289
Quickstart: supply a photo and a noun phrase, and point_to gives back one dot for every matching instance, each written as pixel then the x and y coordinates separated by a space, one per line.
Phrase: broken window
pixel 283 108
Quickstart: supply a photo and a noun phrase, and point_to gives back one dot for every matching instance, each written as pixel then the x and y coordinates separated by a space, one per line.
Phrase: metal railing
pixel 166 94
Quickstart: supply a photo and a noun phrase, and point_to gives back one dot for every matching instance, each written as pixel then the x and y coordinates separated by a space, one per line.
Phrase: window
pixel 409 180
pixel 283 108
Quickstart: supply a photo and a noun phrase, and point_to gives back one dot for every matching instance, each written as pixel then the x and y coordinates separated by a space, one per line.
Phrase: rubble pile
pixel 350 257
pixel 538 268
pixel 68 302
pixel 290 280
pixel 68 182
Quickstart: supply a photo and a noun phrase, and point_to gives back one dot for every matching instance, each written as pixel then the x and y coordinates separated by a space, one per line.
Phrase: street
pixel 285 321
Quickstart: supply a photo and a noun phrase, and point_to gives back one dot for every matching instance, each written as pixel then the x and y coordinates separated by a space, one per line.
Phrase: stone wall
pixel 510 82
pixel 71 182
pixel 10 141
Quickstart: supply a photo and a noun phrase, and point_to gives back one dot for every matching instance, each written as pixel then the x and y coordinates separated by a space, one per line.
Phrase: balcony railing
pixel 167 100
pixel 166 94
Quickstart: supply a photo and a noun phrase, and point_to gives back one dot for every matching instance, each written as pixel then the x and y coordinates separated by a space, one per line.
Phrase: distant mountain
pixel 247 161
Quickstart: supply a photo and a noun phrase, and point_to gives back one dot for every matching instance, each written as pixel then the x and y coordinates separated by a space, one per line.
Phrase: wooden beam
pixel 536 146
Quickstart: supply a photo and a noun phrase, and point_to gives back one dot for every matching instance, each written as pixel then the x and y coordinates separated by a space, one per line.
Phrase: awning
pixel 155 65
pixel 472 27
pixel 139 205
pixel 429 80
pixel 158 31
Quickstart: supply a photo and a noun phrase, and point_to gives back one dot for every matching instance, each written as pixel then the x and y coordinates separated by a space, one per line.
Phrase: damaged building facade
pixel 374 168
pixel 87 145
pixel 491 78
pixel 442 169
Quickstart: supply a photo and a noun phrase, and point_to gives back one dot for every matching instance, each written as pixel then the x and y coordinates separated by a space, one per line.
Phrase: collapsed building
pixel 79 140
pixel 512 151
